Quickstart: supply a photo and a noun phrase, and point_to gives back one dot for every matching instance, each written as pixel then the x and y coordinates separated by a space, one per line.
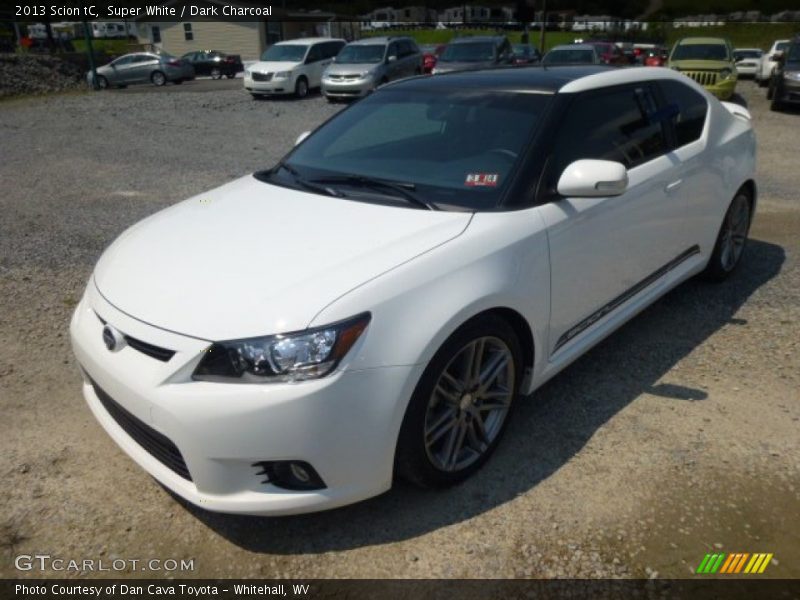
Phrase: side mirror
pixel 392 58
pixel 590 178
pixel 777 56
pixel 301 137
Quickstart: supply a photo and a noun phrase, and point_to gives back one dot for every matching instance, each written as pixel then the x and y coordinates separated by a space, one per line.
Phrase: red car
pixel 609 53
pixel 430 55
pixel 656 57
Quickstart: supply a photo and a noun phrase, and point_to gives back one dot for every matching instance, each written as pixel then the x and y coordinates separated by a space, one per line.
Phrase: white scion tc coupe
pixel 374 304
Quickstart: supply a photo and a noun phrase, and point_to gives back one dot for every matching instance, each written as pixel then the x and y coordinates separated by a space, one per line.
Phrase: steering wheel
pixel 505 152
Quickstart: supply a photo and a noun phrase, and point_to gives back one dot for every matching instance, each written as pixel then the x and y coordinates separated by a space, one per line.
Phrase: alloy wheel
pixel 734 233
pixel 469 404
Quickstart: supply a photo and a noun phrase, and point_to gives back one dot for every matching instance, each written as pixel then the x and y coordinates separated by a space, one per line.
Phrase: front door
pixel 603 251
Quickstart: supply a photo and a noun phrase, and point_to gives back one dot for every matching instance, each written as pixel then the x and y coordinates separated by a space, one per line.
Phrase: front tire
pixel 776 103
pixel 216 73
pixel 460 407
pixel 731 240
pixel 301 88
pixel 102 83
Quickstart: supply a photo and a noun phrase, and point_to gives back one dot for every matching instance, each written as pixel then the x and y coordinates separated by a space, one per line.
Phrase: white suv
pixel 768 62
pixel 291 67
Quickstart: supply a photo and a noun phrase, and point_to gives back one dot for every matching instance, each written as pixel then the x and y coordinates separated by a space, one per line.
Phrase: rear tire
pixel 230 75
pixel 158 78
pixel 731 239
pixel 461 405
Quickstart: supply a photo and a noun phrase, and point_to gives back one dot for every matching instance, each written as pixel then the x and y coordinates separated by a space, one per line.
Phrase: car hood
pixel 250 258
pixel 701 65
pixel 350 68
pixel 272 67
pixel 447 67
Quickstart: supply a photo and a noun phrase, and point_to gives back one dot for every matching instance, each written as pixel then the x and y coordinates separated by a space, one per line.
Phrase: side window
pixel 121 62
pixel 405 49
pixel 315 54
pixel 393 50
pixel 331 49
pixel 692 109
pixel 611 125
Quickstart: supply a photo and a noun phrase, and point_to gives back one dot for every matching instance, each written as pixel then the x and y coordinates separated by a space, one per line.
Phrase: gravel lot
pixel 675 437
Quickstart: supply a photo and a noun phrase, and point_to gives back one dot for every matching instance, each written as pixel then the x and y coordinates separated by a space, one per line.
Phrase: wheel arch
pixel 521 328
pixel 751 189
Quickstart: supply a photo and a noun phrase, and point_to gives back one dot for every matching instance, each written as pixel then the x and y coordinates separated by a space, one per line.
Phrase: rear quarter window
pixel 692 110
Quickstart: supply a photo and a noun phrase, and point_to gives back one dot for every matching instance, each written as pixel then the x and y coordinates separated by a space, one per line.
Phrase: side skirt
pixel 606 309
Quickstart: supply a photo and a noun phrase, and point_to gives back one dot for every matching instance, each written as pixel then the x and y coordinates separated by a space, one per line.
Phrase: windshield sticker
pixel 481 180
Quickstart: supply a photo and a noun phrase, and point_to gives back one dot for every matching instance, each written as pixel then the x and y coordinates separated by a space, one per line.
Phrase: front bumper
pixel 347 88
pixel 271 87
pixel 344 425
pixel 788 91
pixel 723 89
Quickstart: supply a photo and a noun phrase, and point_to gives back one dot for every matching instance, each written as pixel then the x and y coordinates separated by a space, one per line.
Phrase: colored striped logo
pixel 737 562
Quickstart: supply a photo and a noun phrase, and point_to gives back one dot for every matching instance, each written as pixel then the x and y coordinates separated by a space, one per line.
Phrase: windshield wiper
pixel 402 189
pixel 309 185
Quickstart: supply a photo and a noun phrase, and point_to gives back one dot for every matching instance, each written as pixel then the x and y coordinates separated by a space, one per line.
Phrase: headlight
pixel 283 74
pixel 298 356
pixel 366 74
pixel 725 73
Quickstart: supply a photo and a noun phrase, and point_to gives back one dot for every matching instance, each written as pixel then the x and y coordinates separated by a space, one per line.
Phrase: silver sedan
pixel 142 67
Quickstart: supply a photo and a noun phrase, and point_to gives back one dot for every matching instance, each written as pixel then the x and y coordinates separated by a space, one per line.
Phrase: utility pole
pixel 543 32
pixel 87 34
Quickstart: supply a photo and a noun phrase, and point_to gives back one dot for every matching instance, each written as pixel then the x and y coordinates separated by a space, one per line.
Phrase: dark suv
pixel 784 85
pixel 479 52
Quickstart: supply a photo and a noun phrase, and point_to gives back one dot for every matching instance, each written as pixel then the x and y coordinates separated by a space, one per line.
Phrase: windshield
pixel 568 57
pixel 700 52
pixel 470 52
pixel 740 54
pixel 285 53
pixel 793 53
pixel 521 50
pixel 360 54
pixel 454 148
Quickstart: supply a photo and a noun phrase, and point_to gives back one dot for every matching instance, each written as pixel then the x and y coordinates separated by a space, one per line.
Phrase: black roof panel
pixel 534 78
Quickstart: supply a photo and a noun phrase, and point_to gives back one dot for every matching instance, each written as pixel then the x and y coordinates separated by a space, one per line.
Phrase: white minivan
pixel 291 67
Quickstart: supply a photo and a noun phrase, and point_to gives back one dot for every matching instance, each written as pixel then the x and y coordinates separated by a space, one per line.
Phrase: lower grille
pixel 157 444
pixel 261 76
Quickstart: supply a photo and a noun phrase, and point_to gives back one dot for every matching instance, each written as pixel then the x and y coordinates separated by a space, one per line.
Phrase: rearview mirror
pixel 593 178
pixel 301 137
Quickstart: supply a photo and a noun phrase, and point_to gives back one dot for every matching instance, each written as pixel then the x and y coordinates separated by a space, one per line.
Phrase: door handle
pixel 671 187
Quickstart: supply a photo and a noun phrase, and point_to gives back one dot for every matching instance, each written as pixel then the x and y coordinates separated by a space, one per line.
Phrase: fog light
pixel 290 474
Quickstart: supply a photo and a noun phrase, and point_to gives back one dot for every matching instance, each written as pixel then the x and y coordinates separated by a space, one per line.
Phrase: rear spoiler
pixel 737 110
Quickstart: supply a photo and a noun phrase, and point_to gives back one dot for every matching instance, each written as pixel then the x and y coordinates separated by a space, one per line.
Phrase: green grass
pixel 443 36
pixel 110 47
pixel 741 35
